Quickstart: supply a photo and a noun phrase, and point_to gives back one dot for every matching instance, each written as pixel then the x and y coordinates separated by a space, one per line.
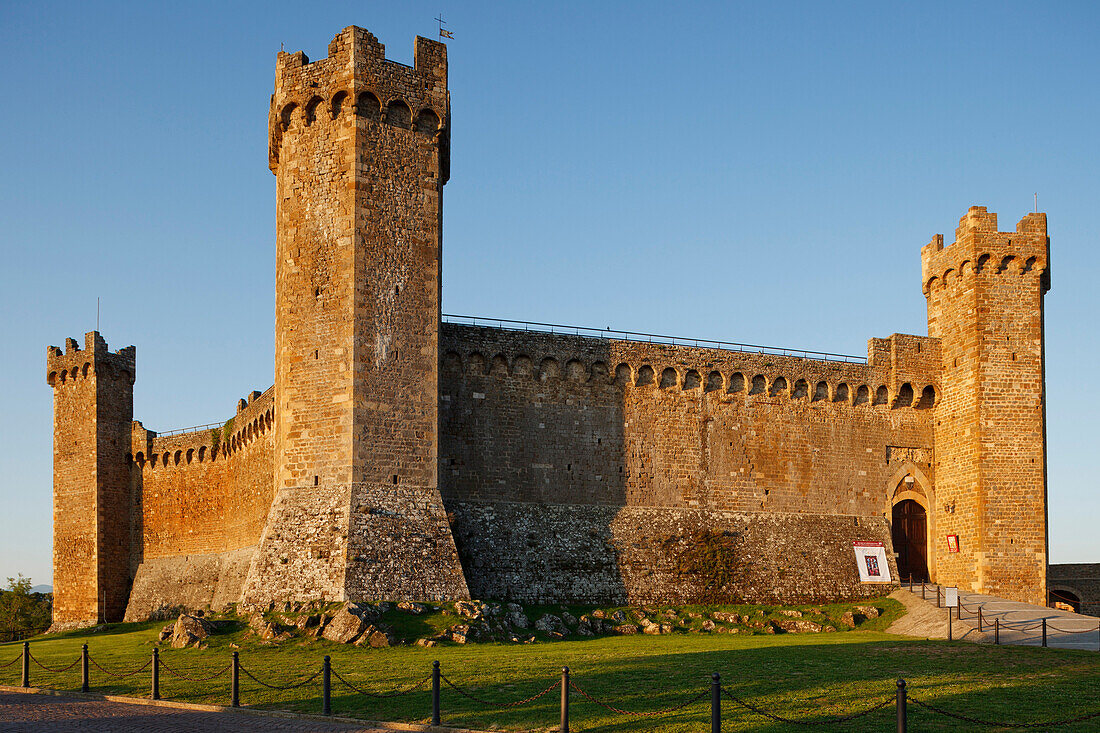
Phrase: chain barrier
pixel 105 671
pixel 174 673
pixel 8 664
pixel 281 687
pixel 51 669
pixel 553 686
pixel 1072 631
pixel 399 693
pixel 1001 724
pixel 828 721
pixel 647 714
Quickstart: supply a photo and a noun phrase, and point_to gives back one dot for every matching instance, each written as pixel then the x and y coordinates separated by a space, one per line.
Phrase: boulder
pixel 729 618
pixel 190 631
pixel 568 619
pixel 469 609
pixel 868 611
pixel 551 623
pixel 376 638
pixel 648 627
pixel 599 613
pixel 459 633
pixel 428 643
pixel 708 625
pixel 798 626
pixel 848 619
pixel 626 629
pixel 790 612
pixel 166 632
pixel 516 617
pixel 619 617
pixel 414 608
pixel 346 625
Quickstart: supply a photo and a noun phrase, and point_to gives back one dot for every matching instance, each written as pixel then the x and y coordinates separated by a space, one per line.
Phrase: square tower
pixel 985 303
pixel 358 145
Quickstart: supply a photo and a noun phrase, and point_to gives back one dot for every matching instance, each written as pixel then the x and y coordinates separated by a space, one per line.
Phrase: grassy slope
pixel 805 676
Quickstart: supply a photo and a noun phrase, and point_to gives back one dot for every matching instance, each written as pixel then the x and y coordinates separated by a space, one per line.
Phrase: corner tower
pixel 985 303
pixel 93 406
pixel 359 148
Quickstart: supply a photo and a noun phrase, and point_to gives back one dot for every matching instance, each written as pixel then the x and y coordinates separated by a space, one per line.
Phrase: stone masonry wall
pixel 200 501
pixel 1080 579
pixel 678 435
pixel 93 407
pixel 985 304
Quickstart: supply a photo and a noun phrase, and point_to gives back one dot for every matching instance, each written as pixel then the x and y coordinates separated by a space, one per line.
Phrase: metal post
pixel 949 636
pixel 84 668
pixel 715 703
pixel 996 631
pixel 902 702
pixel 938 604
pixel 922 590
pixel 564 700
pixel 435 694
pixel 326 687
pixel 1044 632
pixel 910 582
pixel 979 619
pixel 26 664
pixel 959 610
pixel 235 682
pixel 156 674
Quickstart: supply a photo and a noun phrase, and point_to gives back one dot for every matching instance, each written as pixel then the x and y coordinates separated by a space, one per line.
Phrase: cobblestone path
pixel 24 712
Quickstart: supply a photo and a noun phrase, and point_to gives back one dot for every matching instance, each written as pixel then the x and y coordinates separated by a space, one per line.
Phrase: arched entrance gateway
pixel 910 536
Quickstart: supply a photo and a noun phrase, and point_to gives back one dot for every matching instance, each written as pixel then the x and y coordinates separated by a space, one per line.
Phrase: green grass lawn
pixel 804 676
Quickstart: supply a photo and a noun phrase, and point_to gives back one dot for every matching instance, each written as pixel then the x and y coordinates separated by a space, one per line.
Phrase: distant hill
pixel 42 589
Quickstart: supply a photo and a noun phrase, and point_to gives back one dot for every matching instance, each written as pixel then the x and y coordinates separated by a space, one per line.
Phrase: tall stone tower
pixel 93 406
pixel 359 148
pixel 985 303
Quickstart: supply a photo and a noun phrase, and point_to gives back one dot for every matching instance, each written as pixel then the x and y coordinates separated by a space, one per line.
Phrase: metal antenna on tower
pixel 1036 203
pixel 97 314
pixel 443 33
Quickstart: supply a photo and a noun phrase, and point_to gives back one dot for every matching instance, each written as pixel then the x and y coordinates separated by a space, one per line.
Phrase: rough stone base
pixel 538 553
pixel 400 546
pixel 188 581
pixel 303 549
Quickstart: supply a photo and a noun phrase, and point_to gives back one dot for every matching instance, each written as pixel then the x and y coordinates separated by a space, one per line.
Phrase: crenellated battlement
pixel 355 85
pixel 74 364
pixel 979 249
pixel 600 365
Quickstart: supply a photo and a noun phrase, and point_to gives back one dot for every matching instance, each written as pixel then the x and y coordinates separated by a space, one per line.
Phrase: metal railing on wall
pixel 652 338
pixel 572 691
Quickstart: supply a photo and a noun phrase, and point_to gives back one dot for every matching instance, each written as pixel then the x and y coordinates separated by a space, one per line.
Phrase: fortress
pixel 400 456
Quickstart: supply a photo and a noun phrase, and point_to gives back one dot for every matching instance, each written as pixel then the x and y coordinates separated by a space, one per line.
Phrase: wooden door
pixel 910 535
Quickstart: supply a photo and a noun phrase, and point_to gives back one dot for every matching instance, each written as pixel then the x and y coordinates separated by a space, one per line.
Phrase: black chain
pixel 174 673
pixel 282 687
pixel 826 721
pixel 8 664
pixel 998 724
pixel 1052 627
pixel 398 693
pixel 139 670
pixel 517 703
pixel 648 714
pixel 51 669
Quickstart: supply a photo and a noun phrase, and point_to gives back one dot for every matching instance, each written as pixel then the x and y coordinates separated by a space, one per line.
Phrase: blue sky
pixel 764 173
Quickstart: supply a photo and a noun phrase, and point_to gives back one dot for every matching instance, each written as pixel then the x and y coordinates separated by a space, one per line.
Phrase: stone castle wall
pixel 625 448
pixel 200 501
pixel 399 457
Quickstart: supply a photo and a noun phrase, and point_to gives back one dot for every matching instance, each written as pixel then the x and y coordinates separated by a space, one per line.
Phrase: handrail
pixel 609 333
pixel 195 429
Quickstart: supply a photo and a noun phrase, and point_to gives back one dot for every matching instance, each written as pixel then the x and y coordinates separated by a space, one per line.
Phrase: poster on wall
pixel 871 561
pixel 952 543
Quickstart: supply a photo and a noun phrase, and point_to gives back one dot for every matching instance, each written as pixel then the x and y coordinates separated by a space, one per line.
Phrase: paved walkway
pixel 1020 623
pixel 20 712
